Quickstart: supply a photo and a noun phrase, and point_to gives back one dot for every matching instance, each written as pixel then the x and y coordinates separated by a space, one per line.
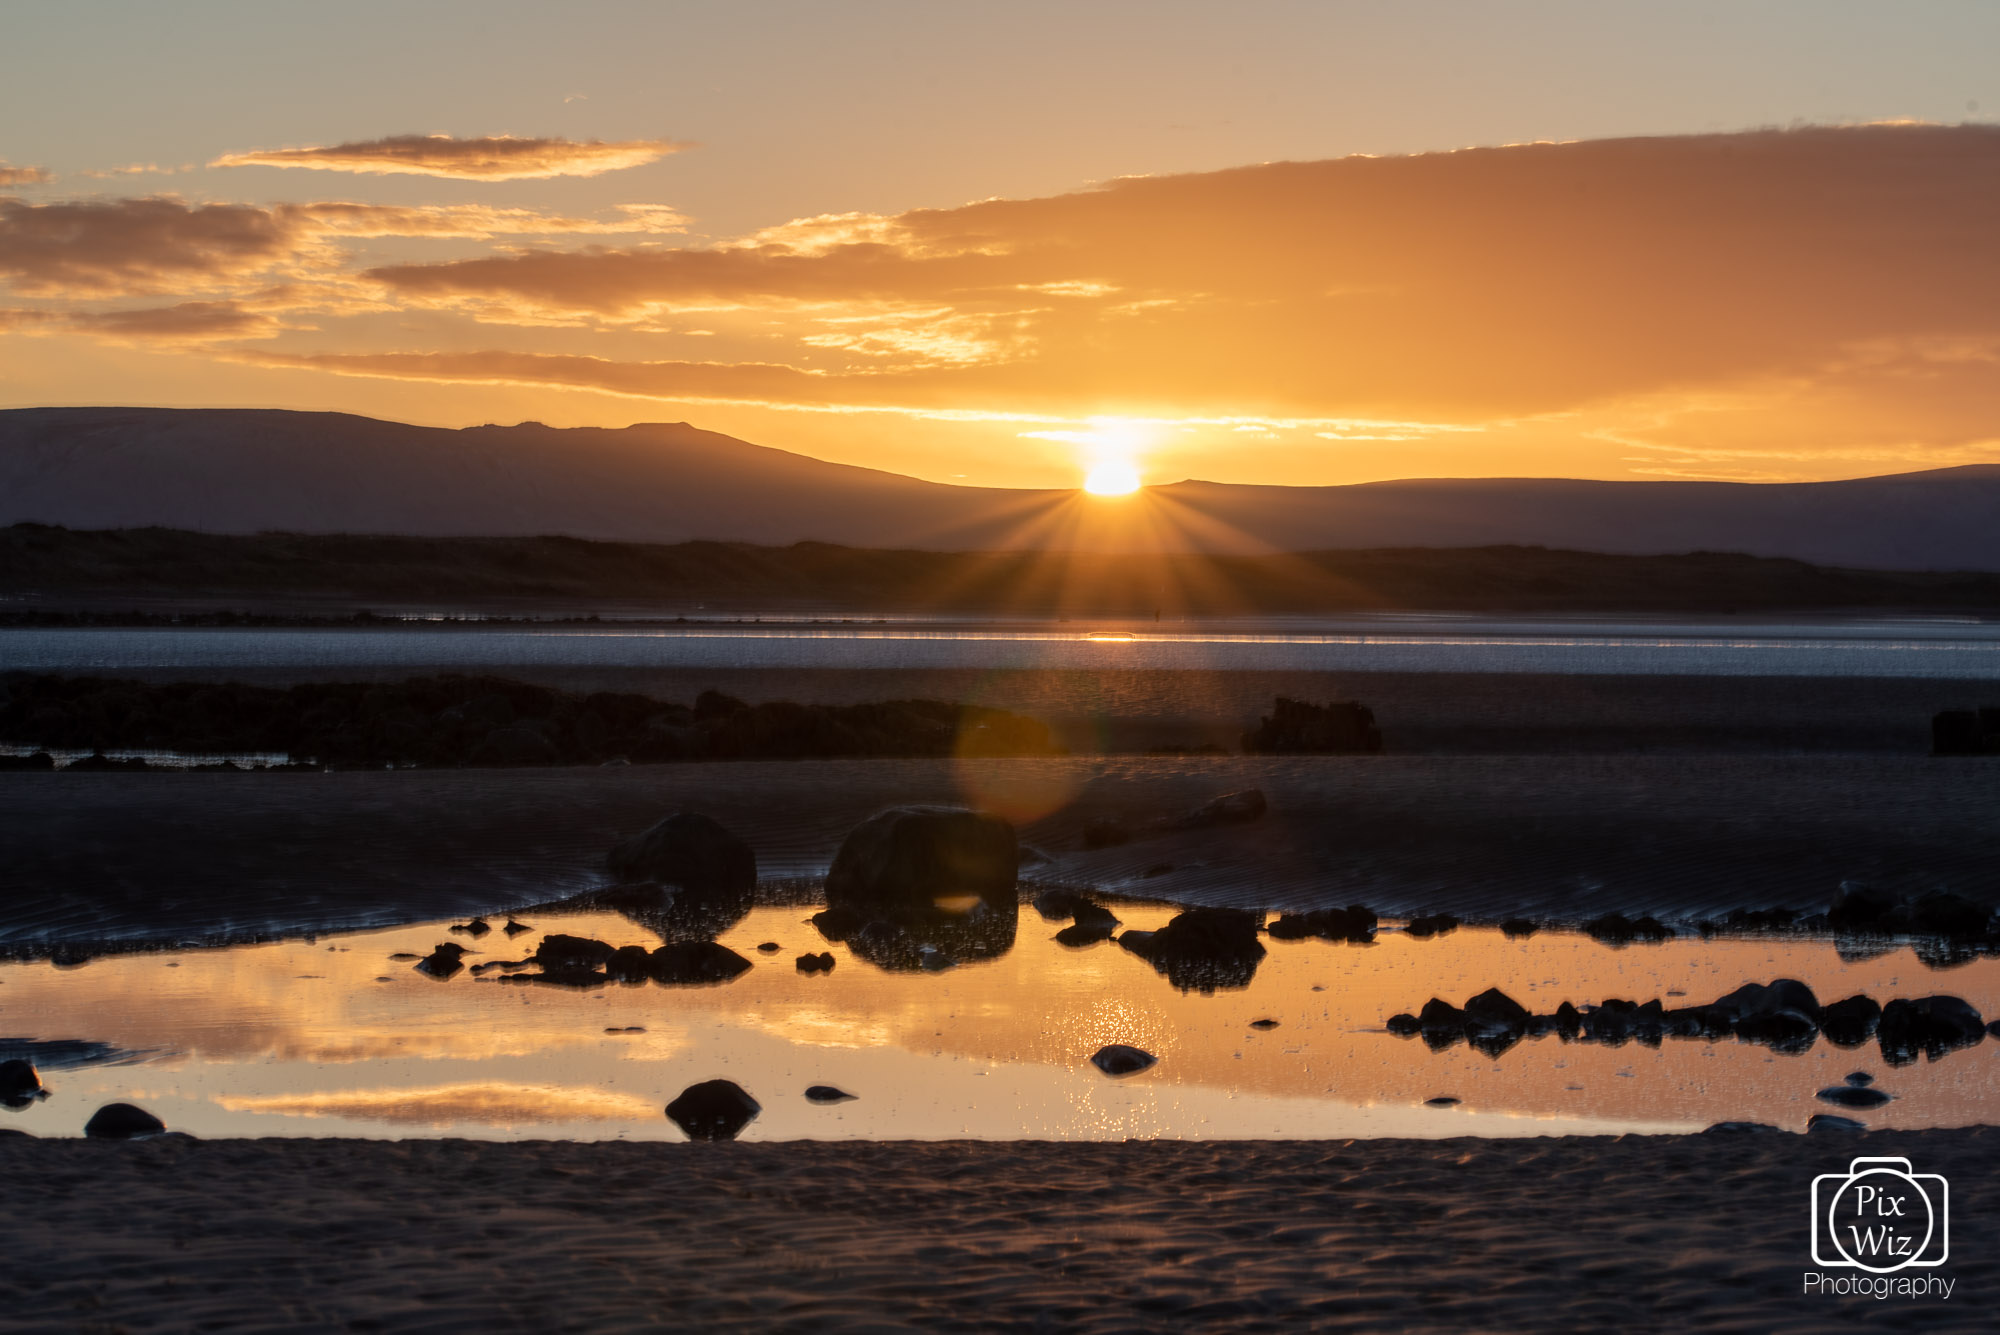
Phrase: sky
pixel 1017 244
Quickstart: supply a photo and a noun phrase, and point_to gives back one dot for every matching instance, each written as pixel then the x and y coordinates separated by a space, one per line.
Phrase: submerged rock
pixel 713 1110
pixel 1119 1059
pixel 122 1121
pixel 827 1094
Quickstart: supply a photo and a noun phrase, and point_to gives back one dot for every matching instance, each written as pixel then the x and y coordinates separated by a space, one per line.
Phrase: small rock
pixel 769 947
pixel 820 963
pixel 1518 927
pixel 713 1110
pixel 20 1083
pixel 1852 1096
pixel 516 928
pixel 628 1029
pixel 1426 925
pixel 1860 1079
pixel 477 927
pixel 1441 1101
pixel 1122 1059
pixel 1742 1129
pixel 1079 934
pixel 405 956
pixel 442 962
pixel 122 1121
pixel 1263 1024
pixel 827 1094
pixel 1825 1122
pixel 682 962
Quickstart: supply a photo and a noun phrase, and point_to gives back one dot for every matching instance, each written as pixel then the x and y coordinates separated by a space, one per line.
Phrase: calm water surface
pixel 335 1038
pixel 1885 648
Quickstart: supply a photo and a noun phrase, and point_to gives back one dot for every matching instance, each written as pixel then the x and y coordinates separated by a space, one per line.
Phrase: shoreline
pixel 1572 1233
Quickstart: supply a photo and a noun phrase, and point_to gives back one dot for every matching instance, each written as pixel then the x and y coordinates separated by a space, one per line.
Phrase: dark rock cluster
pixel 1354 923
pixel 1090 921
pixel 451 721
pixel 1783 1015
pixel 1298 727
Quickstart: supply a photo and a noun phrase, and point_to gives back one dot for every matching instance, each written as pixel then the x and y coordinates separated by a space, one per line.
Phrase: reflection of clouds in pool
pixel 487 1104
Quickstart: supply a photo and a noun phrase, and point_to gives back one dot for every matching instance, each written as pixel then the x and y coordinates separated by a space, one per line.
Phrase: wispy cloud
pixel 484 158
pixel 10 176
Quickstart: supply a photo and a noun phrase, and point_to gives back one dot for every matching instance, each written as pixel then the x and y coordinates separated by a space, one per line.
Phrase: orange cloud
pixel 486 158
pixel 1457 286
pixel 24 175
pixel 187 322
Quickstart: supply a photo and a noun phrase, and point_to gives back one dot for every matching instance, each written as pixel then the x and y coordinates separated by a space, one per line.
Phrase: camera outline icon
pixel 1932 1188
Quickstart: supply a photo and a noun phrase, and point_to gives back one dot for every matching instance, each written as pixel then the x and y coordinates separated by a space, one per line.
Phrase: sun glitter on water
pixel 1112 478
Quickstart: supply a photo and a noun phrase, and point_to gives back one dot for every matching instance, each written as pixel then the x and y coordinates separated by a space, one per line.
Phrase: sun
pixel 1112 477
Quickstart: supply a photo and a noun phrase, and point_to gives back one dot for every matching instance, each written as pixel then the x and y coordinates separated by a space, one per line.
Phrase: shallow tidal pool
pixel 334 1037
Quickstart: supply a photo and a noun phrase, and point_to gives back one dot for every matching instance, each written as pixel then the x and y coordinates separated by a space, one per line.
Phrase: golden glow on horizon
pixel 1113 478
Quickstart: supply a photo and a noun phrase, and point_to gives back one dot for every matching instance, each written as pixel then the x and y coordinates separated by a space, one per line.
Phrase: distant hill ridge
pixel 255 470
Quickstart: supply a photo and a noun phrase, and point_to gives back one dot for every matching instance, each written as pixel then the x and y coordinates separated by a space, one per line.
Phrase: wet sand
pixel 1570 1234
pixel 190 857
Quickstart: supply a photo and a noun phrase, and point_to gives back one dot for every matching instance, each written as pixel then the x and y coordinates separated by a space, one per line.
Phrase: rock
pixel 1850 1022
pixel 443 961
pixel 516 928
pixel 1519 927
pixel 713 1110
pixel 20 1083
pixel 1442 1101
pixel 1204 948
pixel 908 859
pixel 8 1131
pixel 827 1094
pixel 820 963
pixel 122 1121
pixel 690 851
pixel 40 760
pixel 558 951
pixel 679 963
pixel 1299 727
pixel 1495 1009
pixel 1239 808
pixel 1943 914
pixel 768 947
pixel 629 964
pixel 1427 925
pixel 1404 1025
pixel 1862 908
pixel 1932 1026
pixel 1851 1096
pixel 1356 922
pixel 1860 1079
pixel 1263 1024
pixel 1742 1129
pixel 1569 1021
pixel 477 927
pixel 1078 934
pixel 1829 1122
pixel 1122 1059
pixel 1618 930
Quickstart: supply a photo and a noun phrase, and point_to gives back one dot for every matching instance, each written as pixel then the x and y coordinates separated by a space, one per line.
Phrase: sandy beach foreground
pixel 1637 1233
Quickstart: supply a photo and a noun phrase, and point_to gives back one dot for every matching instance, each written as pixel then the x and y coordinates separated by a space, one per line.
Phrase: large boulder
pixel 921 861
pixel 689 850
pixel 713 1110
pixel 1203 948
